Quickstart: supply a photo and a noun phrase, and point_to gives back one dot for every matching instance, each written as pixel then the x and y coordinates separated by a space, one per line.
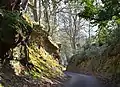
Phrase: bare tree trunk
pixel 54 19
pixel 46 16
pixel 54 12
pixel 39 11
pixel 74 34
pixel 89 32
pixel 35 11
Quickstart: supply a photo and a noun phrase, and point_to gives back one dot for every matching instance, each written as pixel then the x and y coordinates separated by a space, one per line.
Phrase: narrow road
pixel 80 80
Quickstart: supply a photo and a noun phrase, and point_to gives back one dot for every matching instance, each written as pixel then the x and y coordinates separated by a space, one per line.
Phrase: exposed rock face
pixel 44 40
pixel 28 57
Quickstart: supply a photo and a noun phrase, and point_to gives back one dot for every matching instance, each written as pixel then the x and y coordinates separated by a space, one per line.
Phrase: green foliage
pixel 89 10
pixel 103 59
pixel 13 30
pixel 98 12
pixel 16 29
pixel 44 64
pixel 12 23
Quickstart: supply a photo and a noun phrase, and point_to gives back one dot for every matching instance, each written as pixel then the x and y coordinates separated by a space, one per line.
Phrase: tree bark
pixel 35 11
pixel 39 11
pixel 46 16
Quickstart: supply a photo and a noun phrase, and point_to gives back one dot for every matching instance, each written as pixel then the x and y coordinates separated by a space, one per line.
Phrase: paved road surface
pixel 80 80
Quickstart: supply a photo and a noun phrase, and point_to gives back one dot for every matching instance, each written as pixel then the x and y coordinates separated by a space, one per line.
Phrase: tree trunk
pixel 39 11
pixel 35 11
pixel 46 16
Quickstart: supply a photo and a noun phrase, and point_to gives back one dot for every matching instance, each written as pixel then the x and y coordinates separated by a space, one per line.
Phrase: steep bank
pixel 26 53
pixel 105 65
